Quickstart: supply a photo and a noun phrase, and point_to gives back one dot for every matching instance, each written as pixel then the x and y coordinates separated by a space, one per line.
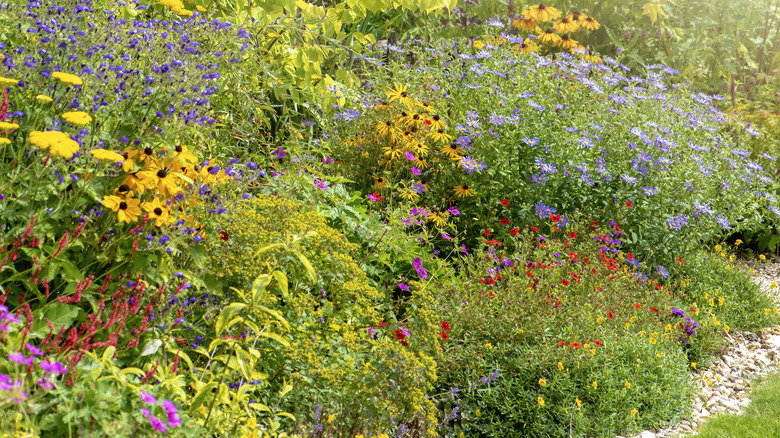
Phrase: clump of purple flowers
pixel 171 413
pixel 689 326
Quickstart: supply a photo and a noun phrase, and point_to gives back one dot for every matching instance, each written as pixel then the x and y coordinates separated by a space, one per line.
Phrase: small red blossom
pixel 514 231
pixel 404 343
pixel 223 235
pixel 486 232
pixel 611 316
pixel 400 334
pixel 504 202
pixel 445 336
pixel 682 262
pixel 380 324
pixel 445 325
pixel 562 344
pixel 576 344
pixel 658 287
pixel 653 309
pixel 428 122
pixel 555 217
pixel 564 282
pixel 638 306
pixel 504 221
pixel 572 234
pixel 599 343
pixel 628 204
pixel 534 229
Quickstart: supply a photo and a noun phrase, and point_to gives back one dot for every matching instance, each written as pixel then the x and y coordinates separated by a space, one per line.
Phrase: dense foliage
pixel 220 221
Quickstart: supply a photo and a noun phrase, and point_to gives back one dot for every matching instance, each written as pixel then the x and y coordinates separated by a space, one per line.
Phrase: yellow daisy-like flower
pixel 7 82
pixel 134 183
pixel 158 211
pixel 633 412
pixel 463 191
pixel 398 93
pixel 8 126
pixel 478 45
pixel 410 195
pixel 564 25
pixel 590 24
pixel 523 23
pixel 560 366
pixel 577 17
pixel 549 36
pixel 5 141
pixel 42 98
pixel 543 13
pixel 578 402
pixel 58 143
pixel 436 122
pixel 164 179
pixel 451 150
pixel 628 384
pixel 542 382
pixel 379 182
pixel 126 209
pixel 392 152
pixel 182 153
pixel 77 118
pixel 595 384
pixel 437 218
pixel 67 78
pixel 652 341
pixel 386 129
pixel 147 153
pixel 567 43
pixel 540 401
pixel 440 136
pixel 102 154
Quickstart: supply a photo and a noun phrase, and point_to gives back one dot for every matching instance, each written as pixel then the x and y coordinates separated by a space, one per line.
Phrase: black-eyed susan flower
pixel 409 195
pixel 550 37
pixel 524 23
pixel 157 210
pixel 463 191
pixel 567 43
pixel 102 154
pixel 543 13
pixel 590 23
pixel 577 16
pixel 437 218
pixel 379 182
pixel 565 25
pixel 67 78
pixel 436 122
pixel 399 93
pixel 387 129
pixel 134 183
pixel 392 152
pixel 439 136
pixel 182 153
pixel 451 150
pixel 126 209
pixel 163 179
pixel 213 174
pixel 58 143
pixel 77 118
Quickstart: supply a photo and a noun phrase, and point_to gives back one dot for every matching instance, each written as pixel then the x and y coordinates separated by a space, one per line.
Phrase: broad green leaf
pixel 276 338
pixel 151 347
pixel 201 395
pixel 260 407
pixel 227 315
pixel 281 278
pixel 654 10
pixel 60 315
pixel 307 265
pixel 273 313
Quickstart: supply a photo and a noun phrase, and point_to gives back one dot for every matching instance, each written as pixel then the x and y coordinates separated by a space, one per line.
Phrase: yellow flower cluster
pixel 558 32
pixel 176 6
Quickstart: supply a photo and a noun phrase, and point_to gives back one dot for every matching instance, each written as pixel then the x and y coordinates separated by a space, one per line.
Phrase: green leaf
pixel 60 315
pixel 275 337
pixel 307 265
pixel 200 397
pixel 151 347
pixel 227 315
pixel 70 271
pixel 258 288
pixel 273 313
pixel 281 278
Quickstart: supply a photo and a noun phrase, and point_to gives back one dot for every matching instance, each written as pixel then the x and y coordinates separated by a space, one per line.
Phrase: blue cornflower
pixel 723 221
pixel 650 191
pixel 662 271
pixel 419 188
pixel 543 211
pixel 349 115
pixel 629 179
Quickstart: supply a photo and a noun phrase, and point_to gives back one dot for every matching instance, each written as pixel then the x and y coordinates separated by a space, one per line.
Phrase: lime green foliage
pixel 336 358
pixel 759 420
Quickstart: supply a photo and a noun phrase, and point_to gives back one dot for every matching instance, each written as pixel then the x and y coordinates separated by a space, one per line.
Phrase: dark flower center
pixel 465 187
pixel 388 123
pixel 548 31
pixel 123 205
pixel 436 117
pixel 416 117
pixel 541 6
pixel 403 94
pixel 123 188
pixel 158 211
pixel 179 149
pixel 162 173
pixel 148 151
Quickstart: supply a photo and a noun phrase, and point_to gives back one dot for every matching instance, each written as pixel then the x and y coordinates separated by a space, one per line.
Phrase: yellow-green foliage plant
pixel 351 367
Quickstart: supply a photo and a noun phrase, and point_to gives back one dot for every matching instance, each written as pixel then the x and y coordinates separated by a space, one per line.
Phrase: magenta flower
pixel 53 368
pixel 20 359
pixel 34 350
pixel 147 398
pixel 154 421
pixel 170 409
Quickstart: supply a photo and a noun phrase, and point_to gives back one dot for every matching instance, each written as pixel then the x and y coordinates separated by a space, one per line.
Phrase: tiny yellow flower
pixel 489 345
pixel 709 381
pixel 633 412
pixel 542 382
pixel 383 435
pixel 693 365
pixel 251 422
pixel 331 417
pixel 578 401
pixel 738 242
pixel 592 351
pixel 659 354
pixel 595 384
pixel 652 341
pixel 628 324
pixel 718 248
pixel 540 401
pixel 599 320
pixel 720 301
pixel 628 384
pixel 773 285
pixel 8 126
pixel 586 346
pixel 478 45
pixel 77 118
pixel 762 257
pixel 560 366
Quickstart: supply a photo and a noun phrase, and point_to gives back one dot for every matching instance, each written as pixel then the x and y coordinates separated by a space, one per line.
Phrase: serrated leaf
pixel 654 10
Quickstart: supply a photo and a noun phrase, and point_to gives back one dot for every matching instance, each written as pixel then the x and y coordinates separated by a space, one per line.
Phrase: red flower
pixel 445 325
pixel 555 217
pixel 576 344
pixel 599 343
pixel 377 197
pixel 534 229
pixel 630 256
pixel 658 287
pixel 428 122
pixel 400 334
pixel 611 316
pixel 682 262
pixel 653 309
pixel 504 221
pixel 486 232
pixel 404 343
pixel 444 335
pixel 381 324
pixel 561 344
pixel 504 202
pixel 595 272
pixel 572 235
pixel 628 204
pixel 565 282
pixel 514 231
pixel 638 306
pixel 224 235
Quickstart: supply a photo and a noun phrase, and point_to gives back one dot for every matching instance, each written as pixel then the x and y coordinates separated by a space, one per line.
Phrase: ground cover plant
pixel 388 255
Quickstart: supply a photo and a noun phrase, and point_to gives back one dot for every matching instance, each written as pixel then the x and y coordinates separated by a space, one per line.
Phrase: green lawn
pixel 760 420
